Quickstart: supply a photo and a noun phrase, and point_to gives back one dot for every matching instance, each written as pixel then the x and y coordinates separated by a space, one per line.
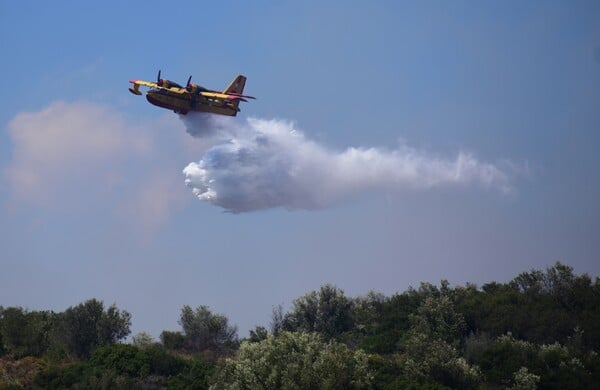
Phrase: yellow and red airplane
pixel 192 97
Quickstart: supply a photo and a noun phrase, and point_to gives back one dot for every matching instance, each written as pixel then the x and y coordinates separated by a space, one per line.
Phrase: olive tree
pixel 294 360
pixel 327 311
pixel 88 325
pixel 24 333
pixel 430 346
pixel 204 330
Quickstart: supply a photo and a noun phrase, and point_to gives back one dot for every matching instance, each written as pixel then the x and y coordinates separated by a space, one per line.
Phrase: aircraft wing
pixel 137 83
pixel 144 83
pixel 224 96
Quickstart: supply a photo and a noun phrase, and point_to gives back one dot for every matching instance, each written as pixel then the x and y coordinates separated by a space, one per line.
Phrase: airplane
pixel 168 94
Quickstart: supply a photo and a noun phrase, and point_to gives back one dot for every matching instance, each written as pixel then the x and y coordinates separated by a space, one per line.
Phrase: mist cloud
pixel 84 157
pixel 263 164
pixel 77 153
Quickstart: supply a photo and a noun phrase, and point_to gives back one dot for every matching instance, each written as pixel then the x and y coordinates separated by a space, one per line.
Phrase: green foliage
pixel 430 346
pixel 541 307
pixel 77 330
pixel 367 310
pixel 60 377
pixel 19 373
pixel 195 375
pixel 173 341
pixel 382 322
pixel 387 372
pixel 554 365
pixel 204 330
pixel 328 312
pixel 129 360
pixel 504 357
pixel 524 380
pixel 476 345
pixel 116 366
pixel 123 358
pixel 295 361
pixel 83 376
pixel 437 319
pixel 277 315
pixel 143 340
pixel 559 368
pixel 591 361
pixel 25 333
pixel 2 349
pixel 539 330
pixel 87 326
pixel 258 334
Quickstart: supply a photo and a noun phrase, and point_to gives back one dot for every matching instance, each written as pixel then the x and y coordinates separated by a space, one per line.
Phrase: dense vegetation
pixel 540 330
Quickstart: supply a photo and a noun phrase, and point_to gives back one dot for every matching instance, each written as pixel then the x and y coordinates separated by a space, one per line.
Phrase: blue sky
pixel 92 197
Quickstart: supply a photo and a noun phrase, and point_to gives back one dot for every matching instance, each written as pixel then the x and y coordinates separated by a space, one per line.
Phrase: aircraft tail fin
pixel 236 86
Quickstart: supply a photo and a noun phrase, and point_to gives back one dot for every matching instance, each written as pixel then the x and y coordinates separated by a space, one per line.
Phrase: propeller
pixel 158 79
pixel 188 85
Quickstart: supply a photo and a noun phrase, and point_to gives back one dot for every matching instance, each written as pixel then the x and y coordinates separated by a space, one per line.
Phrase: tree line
pixel 539 330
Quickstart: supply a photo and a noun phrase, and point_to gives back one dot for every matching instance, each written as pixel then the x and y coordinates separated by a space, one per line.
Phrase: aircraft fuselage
pixel 182 104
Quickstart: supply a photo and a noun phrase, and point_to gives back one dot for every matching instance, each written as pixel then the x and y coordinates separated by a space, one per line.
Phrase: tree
pixel 114 325
pixel 524 380
pixel 116 366
pixel 87 326
pixel 387 320
pixel 430 346
pixel 327 311
pixel 12 329
pixel 25 333
pixel 204 330
pixel 277 316
pixel 258 334
pixel 554 365
pixel 538 306
pixel 143 340
pixel 437 319
pixel 295 361
pixel 172 340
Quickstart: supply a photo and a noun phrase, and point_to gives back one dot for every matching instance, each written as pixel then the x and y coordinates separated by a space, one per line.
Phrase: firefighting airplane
pixel 192 97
